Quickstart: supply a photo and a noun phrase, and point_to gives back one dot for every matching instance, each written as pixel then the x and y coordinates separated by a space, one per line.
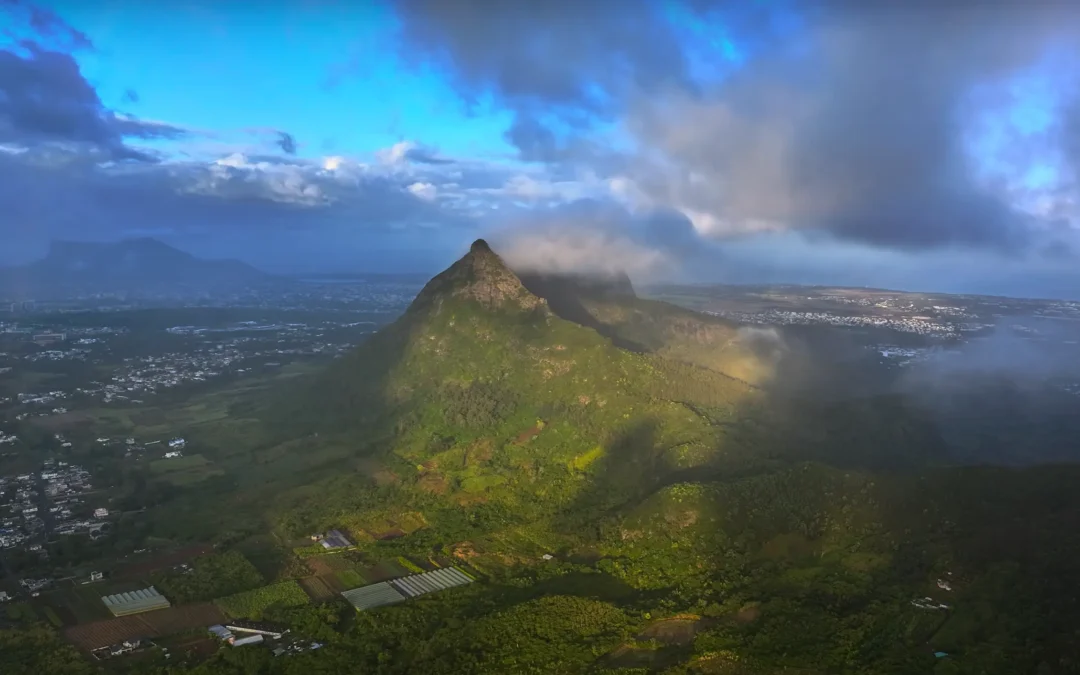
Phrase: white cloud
pixel 397 153
pixel 236 177
pixel 425 191
pixel 569 248
pixel 407 152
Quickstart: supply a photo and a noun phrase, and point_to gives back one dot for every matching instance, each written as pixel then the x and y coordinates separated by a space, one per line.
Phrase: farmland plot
pixel 251 604
pixel 157 623
pixel 317 589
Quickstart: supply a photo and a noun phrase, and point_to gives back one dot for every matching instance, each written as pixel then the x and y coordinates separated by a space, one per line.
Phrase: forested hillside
pixel 632 509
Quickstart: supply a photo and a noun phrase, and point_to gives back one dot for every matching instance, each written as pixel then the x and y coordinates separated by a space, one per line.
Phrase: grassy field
pixel 185 470
pixel 170 417
pixel 80 604
pixel 251 604
pixel 20 611
pixel 351 578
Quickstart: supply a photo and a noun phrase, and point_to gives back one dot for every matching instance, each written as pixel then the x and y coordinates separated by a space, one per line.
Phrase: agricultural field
pixel 251 604
pixel 333 581
pixel 153 624
pixel 350 578
pixel 197 646
pixel 158 421
pixel 185 470
pixel 384 570
pixel 80 604
pixel 271 559
pixel 210 576
pixel 329 564
pixel 161 561
pixel 52 617
pixel 318 589
pixel 66 422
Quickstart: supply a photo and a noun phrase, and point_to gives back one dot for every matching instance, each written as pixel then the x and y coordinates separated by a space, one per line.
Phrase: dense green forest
pixel 654 509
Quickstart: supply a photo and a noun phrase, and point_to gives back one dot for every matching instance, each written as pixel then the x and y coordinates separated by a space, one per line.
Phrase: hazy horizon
pixel 823 142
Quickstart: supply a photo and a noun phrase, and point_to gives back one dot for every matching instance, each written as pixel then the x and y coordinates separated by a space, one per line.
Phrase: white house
pixel 101 513
pixel 177 443
pixel 176 453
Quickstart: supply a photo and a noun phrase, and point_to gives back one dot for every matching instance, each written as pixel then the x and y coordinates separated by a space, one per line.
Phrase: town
pixel 918 325
pixel 205 354
pixel 53 502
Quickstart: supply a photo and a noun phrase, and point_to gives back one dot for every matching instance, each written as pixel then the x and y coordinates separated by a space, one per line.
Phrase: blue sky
pixel 323 72
pixel 808 140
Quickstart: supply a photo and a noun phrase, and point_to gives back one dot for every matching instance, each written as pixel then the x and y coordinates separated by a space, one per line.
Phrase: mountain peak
pixel 480 276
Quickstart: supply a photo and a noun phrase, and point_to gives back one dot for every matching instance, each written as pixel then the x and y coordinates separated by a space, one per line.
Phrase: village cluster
pixel 51 502
pixel 136 378
pixel 919 325
pixel 927 316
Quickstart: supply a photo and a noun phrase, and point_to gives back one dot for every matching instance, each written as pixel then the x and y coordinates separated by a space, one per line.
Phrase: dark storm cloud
pixel 858 125
pixel 552 53
pixel 286 142
pixel 533 140
pixel 45 98
pixel 426 155
pixel 45 24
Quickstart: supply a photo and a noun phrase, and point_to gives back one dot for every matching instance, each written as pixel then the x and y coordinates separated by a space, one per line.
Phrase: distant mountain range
pixel 137 265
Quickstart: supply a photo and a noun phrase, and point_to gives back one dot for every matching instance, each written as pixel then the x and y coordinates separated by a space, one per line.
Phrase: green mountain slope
pixel 612 308
pixel 505 402
pixel 696 522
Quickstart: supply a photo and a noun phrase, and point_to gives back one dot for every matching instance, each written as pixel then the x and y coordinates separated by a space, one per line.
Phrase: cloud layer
pixel 881 143
pixel 860 121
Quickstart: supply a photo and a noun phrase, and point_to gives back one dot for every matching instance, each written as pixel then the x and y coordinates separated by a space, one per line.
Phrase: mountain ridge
pixel 137 265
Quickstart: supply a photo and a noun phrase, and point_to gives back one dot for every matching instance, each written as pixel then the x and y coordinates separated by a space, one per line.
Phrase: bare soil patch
pixel 673 631
pixel 527 435
pixel 748 614
pixel 386 477
pixel 433 483
pixel 157 623
pixel 138 570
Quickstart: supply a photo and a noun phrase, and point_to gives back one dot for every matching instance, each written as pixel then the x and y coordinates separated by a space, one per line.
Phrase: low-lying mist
pixel 1010 396
pixel 1004 397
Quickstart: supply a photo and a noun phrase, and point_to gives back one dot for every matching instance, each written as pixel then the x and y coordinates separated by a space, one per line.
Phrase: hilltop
pixel 479 327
